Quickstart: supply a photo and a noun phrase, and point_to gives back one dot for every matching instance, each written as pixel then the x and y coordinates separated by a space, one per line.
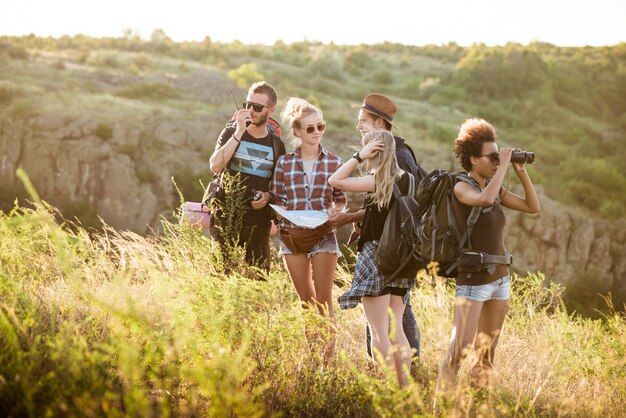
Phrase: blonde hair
pixel 295 110
pixel 384 166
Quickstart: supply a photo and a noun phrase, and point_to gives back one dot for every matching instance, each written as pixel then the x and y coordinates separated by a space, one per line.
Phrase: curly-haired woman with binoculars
pixel 483 282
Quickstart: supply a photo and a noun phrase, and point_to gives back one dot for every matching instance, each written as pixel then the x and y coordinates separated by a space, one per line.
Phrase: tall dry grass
pixel 116 324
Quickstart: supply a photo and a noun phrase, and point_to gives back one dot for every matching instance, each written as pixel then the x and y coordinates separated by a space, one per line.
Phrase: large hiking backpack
pixel 441 235
pixel 398 248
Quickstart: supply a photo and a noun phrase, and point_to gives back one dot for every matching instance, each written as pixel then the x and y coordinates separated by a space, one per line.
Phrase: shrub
pixel 444 134
pixel 245 75
pixel 13 51
pixel 150 91
pixel 356 61
pixel 509 71
pixel 8 91
pixel 327 65
pixel 382 77
pixel 142 60
pixel 104 131
pixel 191 184
pixel 104 58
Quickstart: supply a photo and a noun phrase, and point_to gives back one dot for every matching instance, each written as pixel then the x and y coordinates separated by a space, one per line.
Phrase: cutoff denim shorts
pixel 496 290
pixel 327 245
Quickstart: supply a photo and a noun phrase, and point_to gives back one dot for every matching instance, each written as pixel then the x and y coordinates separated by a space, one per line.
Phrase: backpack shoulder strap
pixel 466 178
pixel 277 146
pixel 411 190
pixel 474 213
pixel 410 150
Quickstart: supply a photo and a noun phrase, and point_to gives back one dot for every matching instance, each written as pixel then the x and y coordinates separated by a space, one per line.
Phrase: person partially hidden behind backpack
pixel 482 289
pixel 377 112
pixel 251 152
pixel 370 286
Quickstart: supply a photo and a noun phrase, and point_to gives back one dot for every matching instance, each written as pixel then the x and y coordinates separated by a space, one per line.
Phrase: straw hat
pixel 379 105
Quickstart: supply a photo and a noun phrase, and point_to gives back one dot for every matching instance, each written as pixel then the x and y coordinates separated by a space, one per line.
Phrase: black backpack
pixel 441 235
pixel 398 252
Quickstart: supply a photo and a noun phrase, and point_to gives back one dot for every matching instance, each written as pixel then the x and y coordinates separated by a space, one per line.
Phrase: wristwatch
pixel 357 157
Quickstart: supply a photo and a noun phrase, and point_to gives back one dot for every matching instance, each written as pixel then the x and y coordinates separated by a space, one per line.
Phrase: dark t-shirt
pixel 487 236
pixel 374 221
pixel 254 161
pixel 406 160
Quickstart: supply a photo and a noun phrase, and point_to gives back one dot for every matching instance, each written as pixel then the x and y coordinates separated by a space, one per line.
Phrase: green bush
pixel 501 72
pixel 603 187
pixel 382 77
pixel 13 51
pixel 327 65
pixel 356 61
pixel 8 91
pixel 149 91
pixel 245 75
pixel 104 58
pixel 104 131
pixel 81 210
pixel 191 183
pixel 443 133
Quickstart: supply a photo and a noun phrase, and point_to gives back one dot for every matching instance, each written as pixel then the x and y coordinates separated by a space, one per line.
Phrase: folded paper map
pixel 304 218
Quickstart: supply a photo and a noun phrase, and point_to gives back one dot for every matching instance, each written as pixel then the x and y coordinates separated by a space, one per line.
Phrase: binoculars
pixel 523 157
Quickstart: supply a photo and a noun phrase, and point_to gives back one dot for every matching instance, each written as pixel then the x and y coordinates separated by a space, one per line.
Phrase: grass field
pixel 115 324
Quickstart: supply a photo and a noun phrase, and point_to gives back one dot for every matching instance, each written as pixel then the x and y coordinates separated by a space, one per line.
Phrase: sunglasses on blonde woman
pixel 320 128
pixel 494 157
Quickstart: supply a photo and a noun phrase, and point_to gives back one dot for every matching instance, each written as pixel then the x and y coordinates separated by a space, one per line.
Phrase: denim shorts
pixel 327 245
pixel 496 290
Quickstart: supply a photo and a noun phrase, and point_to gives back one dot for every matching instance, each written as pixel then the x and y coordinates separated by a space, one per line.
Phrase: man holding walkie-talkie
pixel 249 148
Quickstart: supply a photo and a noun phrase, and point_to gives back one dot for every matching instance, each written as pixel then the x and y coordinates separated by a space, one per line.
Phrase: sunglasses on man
pixel 320 128
pixel 257 107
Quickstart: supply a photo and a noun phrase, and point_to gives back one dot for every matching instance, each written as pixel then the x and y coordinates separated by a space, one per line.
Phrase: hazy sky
pixel 416 22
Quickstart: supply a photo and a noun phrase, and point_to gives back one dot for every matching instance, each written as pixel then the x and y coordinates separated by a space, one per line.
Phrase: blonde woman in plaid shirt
pixel 301 183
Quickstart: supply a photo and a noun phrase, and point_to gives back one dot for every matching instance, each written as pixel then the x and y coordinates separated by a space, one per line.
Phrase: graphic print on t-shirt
pixel 253 159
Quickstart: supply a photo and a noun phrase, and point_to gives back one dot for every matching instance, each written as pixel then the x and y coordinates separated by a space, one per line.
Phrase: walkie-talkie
pixel 237 106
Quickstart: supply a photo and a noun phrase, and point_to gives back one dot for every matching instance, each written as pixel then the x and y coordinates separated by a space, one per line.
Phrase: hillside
pixel 102 125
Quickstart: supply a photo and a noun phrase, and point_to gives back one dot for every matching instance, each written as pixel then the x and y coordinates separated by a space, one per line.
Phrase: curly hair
pixel 469 142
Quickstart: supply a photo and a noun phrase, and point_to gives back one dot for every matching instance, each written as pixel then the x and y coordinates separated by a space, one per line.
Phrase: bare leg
pixel 377 315
pixel 466 316
pixel 324 265
pixel 299 268
pixel 401 346
pixel 488 333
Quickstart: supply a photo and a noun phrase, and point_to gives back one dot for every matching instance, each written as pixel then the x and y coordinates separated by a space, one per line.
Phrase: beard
pixel 262 120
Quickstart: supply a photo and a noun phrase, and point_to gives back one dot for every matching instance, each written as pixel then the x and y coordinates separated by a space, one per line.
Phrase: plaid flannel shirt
pixel 291 187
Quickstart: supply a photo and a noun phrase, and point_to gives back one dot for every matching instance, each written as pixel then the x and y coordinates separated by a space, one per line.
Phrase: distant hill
pixel 101 125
